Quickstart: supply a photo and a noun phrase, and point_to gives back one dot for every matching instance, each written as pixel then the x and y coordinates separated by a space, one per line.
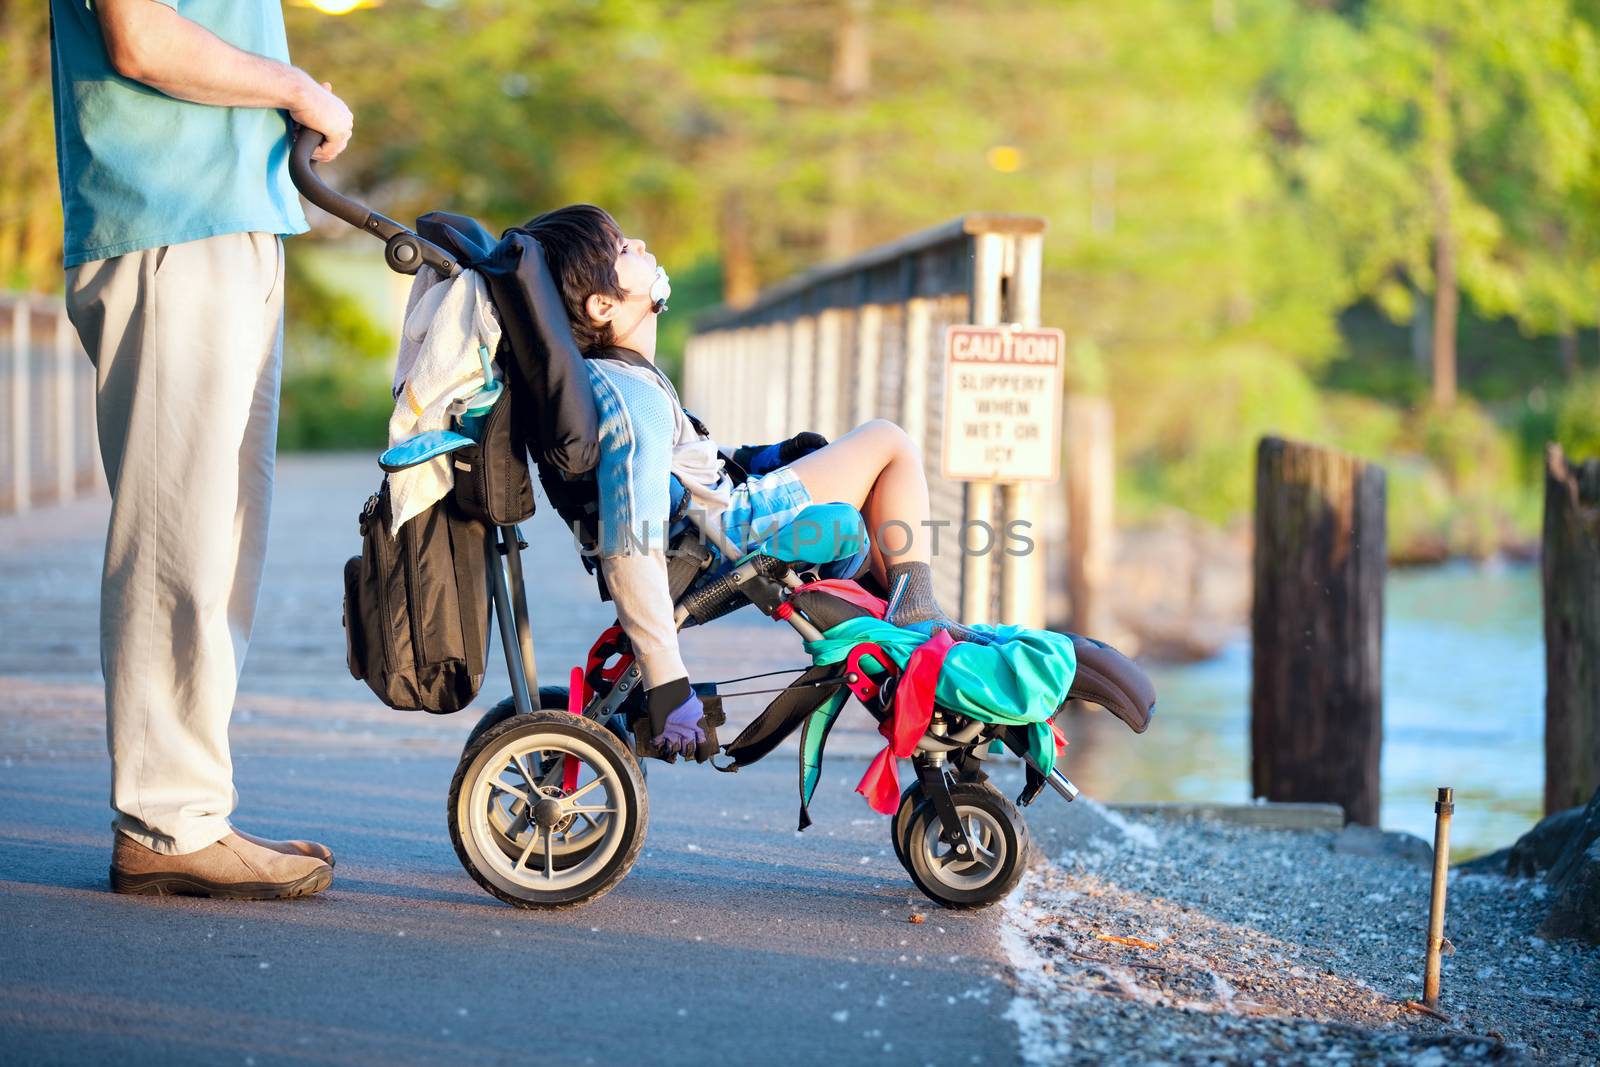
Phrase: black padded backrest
pixel 551 394
pixel 576 500
pixel 1112 680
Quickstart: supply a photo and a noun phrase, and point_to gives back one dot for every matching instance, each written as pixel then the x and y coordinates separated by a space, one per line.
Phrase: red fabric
pixel 579 691
pixel 1061 738
pixel 881 784
pixel 913 710
pixel 913 696
pixel 848 591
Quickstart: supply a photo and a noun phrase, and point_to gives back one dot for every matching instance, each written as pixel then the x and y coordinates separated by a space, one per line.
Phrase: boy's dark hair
pixel 580 246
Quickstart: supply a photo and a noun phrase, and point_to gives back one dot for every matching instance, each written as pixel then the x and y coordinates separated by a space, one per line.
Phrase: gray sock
pixel 911 601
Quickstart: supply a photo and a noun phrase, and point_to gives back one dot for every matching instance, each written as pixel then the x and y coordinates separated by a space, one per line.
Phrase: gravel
pixel 1255 946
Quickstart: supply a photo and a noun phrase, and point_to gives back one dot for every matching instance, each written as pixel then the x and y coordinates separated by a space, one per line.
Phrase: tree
pixel 30 200
pixel 1446 145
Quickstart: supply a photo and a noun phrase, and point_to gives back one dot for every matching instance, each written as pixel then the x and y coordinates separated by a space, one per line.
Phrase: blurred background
pixel 1370 224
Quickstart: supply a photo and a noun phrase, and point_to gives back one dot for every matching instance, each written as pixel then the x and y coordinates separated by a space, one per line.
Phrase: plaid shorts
pixel 763 505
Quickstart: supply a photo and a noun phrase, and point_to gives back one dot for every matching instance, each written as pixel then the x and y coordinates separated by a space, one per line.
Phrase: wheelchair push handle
pixel 403 249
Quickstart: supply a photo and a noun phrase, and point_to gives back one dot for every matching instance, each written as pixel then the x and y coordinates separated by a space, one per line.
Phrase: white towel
pixel 437 372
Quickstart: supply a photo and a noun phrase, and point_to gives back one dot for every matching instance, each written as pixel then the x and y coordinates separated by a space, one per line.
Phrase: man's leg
pixel 186 344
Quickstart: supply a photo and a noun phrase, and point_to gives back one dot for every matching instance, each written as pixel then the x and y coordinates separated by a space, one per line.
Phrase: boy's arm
pixel 638 585
pixel 149 42
pixel 636 423
pixel 763 459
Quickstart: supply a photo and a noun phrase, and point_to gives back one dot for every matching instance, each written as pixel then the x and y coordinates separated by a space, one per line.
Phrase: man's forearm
pixel 153 44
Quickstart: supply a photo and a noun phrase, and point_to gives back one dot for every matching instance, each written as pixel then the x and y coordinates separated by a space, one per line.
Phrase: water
pixel 1463 706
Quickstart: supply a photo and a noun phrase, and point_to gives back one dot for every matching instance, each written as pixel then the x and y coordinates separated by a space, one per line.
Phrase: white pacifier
pixel 660 290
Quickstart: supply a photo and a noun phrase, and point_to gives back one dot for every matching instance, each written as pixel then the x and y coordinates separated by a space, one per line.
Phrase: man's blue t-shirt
pixel 140 169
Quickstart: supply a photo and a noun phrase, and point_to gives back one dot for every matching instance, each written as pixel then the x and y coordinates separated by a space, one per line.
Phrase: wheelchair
pixel 548 806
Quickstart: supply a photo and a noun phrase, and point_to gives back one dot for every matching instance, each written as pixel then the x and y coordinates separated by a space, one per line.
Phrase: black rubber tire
pixel 619 760
pixel 910 797
pixel 969 797
pixel 551 698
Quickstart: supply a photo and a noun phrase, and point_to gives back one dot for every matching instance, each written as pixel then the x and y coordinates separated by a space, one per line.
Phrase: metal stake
pixel 1443 809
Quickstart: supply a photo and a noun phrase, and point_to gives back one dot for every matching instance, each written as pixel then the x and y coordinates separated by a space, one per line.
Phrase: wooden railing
pixel 832 348
pixel 49 450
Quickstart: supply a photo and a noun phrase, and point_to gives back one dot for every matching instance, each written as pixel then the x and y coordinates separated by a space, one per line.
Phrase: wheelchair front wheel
pixel 996 831
pixel 578 837
pixel 911 797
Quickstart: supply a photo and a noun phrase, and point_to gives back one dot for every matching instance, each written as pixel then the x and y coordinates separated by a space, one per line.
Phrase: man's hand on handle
pixel 151 43
pixel 324 112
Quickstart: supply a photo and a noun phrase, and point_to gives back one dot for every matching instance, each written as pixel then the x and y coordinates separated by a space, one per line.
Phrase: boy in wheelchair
pixel 658 462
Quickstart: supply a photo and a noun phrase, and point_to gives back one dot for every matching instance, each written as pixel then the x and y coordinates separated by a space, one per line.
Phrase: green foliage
pixel 1466 446
pixel 1085 370
pixel 693 290
pixel 1477 462
pixel 328 320
pixel 337 405
pixel 1420 510
pixel 1361 426
pixel 1207 412
pixel 1243 197
pixel 1386 109
pixel 337 364
pixel 1577 419
pixel 30 203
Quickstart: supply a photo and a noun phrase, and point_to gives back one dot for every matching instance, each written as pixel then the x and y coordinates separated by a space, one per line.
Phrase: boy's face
pixel 636 267
pixel 636 270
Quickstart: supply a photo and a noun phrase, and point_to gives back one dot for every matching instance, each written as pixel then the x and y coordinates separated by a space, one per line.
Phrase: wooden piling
pixel 1316 695
pixel 1571 574
pixel 1090 477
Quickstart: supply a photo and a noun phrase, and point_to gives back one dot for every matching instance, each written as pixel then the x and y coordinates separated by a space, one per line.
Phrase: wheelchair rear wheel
pixel 511 814
pixel 576 834
pixel 995 829
pixel 551 698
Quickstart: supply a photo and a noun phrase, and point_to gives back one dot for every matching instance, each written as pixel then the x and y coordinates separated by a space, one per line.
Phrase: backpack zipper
pixel 380 542
pixel 419 653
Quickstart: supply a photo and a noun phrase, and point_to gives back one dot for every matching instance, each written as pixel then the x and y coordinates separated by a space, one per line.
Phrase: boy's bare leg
pixel 878 468
pixel 875 467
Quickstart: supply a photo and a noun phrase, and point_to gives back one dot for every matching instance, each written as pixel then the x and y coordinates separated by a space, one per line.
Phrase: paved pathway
pixel 734 939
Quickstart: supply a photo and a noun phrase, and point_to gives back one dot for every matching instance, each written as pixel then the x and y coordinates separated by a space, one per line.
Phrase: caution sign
pixel 1002 403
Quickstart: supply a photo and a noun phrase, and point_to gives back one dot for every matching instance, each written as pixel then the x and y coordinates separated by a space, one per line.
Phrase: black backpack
pixel 416 606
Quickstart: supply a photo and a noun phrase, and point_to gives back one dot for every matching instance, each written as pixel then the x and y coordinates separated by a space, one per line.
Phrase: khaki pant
pixel 186 341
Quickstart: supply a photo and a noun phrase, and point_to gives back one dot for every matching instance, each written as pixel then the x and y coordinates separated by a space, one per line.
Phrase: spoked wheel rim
pixel 992 826
pixel 510 816
pixel 967 873
pixel 542 836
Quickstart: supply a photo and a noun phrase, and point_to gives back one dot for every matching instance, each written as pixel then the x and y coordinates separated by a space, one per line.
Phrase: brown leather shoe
pixel 291 848
pixel 232 869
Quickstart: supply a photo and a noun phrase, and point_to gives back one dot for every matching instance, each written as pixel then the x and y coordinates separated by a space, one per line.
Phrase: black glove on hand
pixel 663 700
pixel 801 444
pixel 764 459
